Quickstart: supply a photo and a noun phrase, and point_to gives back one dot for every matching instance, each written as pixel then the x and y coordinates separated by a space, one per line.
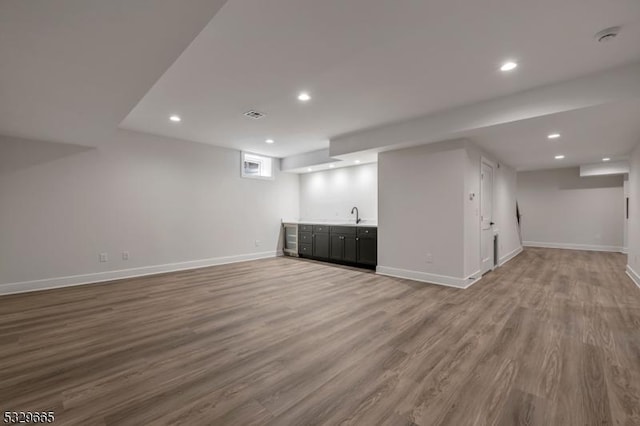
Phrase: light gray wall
pixel 633 225
pixel 162 200
pixel 625 220
pixel 421 210
pixel 559 207
pixel 331 194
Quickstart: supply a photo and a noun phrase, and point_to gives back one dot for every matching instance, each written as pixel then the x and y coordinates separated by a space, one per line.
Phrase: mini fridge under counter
pixel 290 239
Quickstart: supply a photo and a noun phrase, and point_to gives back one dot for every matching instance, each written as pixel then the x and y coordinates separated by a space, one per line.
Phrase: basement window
pixel 256 166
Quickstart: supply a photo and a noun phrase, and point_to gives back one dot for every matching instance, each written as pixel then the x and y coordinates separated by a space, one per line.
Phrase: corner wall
pixel 171 204
pixel 428 227
pixel 420 214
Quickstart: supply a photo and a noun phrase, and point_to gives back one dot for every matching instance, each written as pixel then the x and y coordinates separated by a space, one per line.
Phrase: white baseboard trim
pixel 429 278
pixel 572 246
pixel 473 278
pixel 633 275
pixel 98 277
pixel 507 257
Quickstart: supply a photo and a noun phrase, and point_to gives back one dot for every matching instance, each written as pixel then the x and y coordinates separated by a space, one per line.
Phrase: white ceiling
pixel 71 70
pixel 587 135
pixel 370 62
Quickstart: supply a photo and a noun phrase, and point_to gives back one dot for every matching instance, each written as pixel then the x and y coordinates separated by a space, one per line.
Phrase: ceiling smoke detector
pixel 607 34
pixel 254 114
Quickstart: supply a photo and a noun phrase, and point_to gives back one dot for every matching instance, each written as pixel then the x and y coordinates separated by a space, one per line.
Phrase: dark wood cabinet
pixel 305 237
pixel 314 241
pixel 343 244
pixel 367 251
pixel 351 245
pixel 337 247
pixel 321 246
pixel 305 249
pixel 350 249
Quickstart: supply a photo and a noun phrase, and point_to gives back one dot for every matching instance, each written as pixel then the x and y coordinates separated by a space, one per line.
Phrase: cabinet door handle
pixel 357 239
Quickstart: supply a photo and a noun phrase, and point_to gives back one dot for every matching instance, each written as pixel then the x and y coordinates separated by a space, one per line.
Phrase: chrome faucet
pixel 357 215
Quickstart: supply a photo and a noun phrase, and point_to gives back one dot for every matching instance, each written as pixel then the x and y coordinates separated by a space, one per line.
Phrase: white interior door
pixel 486 216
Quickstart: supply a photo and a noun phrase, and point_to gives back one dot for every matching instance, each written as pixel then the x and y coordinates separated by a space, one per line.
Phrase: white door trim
pixel 494 166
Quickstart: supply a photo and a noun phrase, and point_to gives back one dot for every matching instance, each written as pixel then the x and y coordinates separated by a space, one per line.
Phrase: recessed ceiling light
pixel 357 161
pixel 269 141
pixel 304 97
pixel 605 159
pixel 559 157
pixel 553 136
pixel 509 66
pixel 331 166
pixel 309 169
pixel 175 118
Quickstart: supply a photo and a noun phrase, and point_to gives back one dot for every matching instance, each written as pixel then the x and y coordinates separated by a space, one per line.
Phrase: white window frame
pixel 263 160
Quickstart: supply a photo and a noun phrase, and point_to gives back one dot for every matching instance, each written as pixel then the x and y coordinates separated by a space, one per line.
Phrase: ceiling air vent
pixel 254 114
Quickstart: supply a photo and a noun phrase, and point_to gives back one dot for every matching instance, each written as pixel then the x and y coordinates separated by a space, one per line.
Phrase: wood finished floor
pixel 551 338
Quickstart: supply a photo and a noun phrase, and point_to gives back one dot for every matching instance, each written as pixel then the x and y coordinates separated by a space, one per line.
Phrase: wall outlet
pixel 429 258
pixel 103 257
pixel 258 243
pixel 125 255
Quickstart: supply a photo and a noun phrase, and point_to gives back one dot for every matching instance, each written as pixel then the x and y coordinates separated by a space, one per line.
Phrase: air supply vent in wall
pixel 254 114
